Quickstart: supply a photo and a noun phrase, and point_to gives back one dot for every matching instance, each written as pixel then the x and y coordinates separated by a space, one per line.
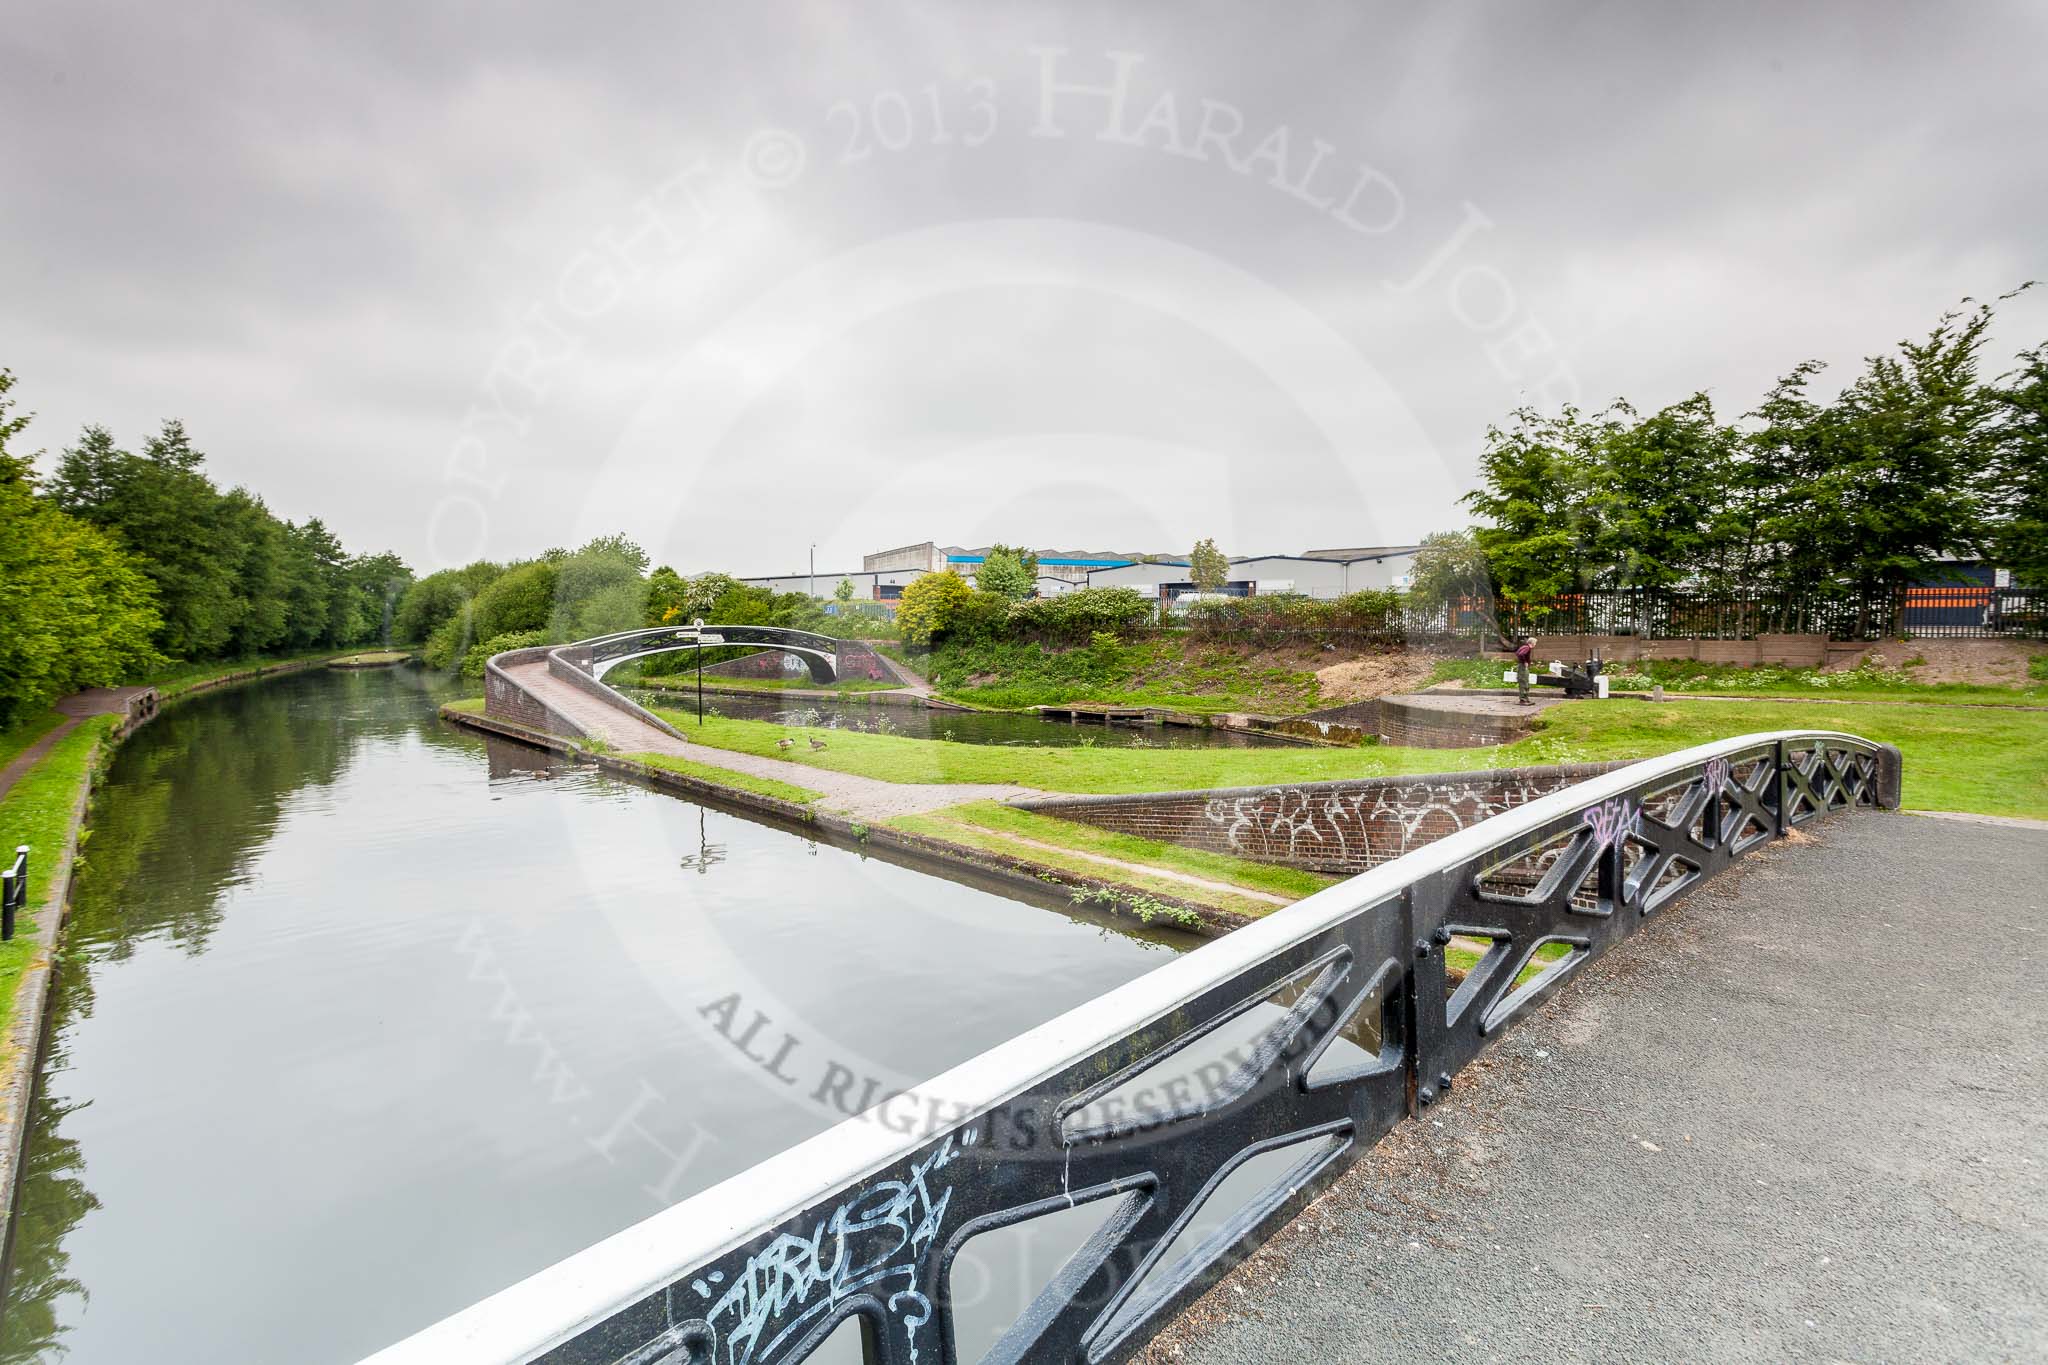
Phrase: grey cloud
pixel 313 232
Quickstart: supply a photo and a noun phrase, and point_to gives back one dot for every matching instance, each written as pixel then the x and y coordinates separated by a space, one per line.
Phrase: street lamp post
pixel 814 571
pixel 699 651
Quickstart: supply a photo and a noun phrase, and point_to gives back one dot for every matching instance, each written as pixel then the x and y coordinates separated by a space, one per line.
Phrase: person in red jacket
pixel 1524 651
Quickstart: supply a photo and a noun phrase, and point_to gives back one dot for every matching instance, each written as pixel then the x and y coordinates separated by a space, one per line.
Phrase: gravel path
pixel 1799 1117
pixel 847 793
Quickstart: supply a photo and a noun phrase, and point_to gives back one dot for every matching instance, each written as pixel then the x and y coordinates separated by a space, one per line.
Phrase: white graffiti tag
pixel 1716 775
pixel 1277 824
pixel 878 1235
pixel 1613 819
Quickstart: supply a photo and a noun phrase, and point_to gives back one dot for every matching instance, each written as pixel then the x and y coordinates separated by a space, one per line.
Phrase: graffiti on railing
pixel 879 1235
pixel 1614 819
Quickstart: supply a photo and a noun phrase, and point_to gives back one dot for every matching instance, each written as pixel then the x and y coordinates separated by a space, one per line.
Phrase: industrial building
pixel 883 575
pixel 1316 573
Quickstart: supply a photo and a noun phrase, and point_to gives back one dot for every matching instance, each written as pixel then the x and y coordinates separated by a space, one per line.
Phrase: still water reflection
pixel 960 727
pixel 359 1021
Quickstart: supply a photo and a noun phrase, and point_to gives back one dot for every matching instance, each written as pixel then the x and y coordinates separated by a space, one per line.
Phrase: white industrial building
pixel 1319 573
pixel 1315 573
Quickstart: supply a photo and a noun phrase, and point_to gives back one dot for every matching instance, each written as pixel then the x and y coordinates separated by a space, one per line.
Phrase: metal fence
pixel 1962 611
pixel 13 892
pixel 1307 1037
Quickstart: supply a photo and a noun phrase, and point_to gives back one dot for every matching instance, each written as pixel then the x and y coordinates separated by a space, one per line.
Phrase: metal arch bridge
pixel 754 1271
pixel 600 655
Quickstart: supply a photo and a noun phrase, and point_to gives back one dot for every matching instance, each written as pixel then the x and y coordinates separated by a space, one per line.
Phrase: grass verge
pixel 25 732
pixel 995 827
pixel 177 677
pixel 1772 680
pixel 1987 761
pixel 725 777
pixel 37 812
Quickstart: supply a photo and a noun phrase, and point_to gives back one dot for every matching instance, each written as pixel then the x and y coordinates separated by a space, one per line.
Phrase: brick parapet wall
pixel 1338 827
pixel 571 663
pixel 505 699
pixel 769 663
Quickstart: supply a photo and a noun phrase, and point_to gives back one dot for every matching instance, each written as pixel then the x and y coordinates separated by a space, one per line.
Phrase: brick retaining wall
pixel 853 660
pixel 507 700
pixel 1339 827
pixel 1794 651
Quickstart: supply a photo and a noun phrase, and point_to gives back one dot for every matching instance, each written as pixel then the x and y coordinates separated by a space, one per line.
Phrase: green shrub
pixel 1080 614
pixel 522 598
pixel 930 604
pixel 473 662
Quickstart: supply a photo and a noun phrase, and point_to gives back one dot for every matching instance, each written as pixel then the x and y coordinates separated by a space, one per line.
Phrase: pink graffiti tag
pixel 1613 818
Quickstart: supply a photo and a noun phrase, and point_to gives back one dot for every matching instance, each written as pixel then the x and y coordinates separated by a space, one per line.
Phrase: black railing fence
pixel 13 892
pixel 1961 611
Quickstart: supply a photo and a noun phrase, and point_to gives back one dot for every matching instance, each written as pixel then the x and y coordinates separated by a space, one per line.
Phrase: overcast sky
pixel 739 279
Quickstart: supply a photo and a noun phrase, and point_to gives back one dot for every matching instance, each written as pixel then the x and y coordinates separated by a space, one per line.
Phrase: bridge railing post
pixel 13 892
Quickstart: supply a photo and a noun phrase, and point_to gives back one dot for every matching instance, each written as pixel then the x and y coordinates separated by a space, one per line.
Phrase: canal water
pixel 361 1019
pixel 960 727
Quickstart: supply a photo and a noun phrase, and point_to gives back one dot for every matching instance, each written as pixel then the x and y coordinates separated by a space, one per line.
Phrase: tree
pixel 1536 495
pixel 260 621
pixel 1657 490
pixel 930 604
pixel 378 583
pixel 844 592
pixel 1451 576
pixel 2020 478
pixel 1208 567
pixel 430 602
pixel 598 590
pixel 522 598
pixel 167 512
pixel 1005 573
pixel 78 610
pixel 1890 477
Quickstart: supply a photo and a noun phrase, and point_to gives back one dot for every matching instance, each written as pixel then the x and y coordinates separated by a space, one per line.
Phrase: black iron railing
pixel 13 892
pixel 1295 1043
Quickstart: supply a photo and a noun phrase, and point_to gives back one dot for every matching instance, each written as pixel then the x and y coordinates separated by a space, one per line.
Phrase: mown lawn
pixel 1983 760
pixel 1860 684
pixel 996 828
pixel 37 812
